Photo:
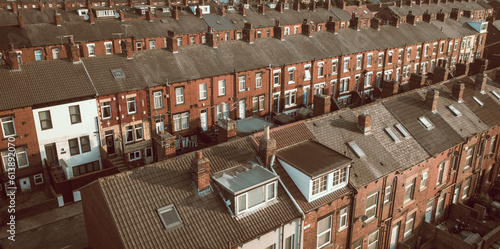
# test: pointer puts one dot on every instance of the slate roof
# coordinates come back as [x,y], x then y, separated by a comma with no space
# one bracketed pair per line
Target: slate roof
[43,82]
[133,198]
[287,135]
[408,108]
[433,8]
[336,130]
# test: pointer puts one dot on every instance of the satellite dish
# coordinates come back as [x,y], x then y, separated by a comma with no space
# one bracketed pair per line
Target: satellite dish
[363,218]
[86,17]
[117,15]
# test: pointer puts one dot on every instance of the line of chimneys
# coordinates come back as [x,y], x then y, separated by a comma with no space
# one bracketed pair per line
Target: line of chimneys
[410,3]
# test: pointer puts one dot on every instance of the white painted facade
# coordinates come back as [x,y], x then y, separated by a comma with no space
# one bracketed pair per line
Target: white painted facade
[277,237]
[63,130]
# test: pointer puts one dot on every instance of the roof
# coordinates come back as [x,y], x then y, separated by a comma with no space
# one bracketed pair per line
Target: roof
[433,8]
[43,82]
[287,135]
[133,198]
[218,23]
[408,108]
[250,125]
[360,11]
[313,158]
[243,177]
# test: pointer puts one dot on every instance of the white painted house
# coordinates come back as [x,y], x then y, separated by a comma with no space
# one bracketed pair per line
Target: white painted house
[69,132]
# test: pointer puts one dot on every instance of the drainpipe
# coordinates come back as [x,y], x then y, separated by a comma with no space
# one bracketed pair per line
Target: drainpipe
[270,94]
[486,137]
[351,227]
[293,200]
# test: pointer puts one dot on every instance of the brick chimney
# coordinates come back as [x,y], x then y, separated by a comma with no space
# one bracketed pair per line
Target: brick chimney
[322,104]
[411,19]
[199,12]
[480,81]
[227,129]
[267,147]
[426,17]
[399,3]
[454,14]
[280,6]
[57,18]
[110,3]
[20,20]
[150,2]
[200,171]
[331,25]
[91,17]
[41,6]
[431,99]
[395,21]
[65,5]
[328,4]
[13,62]
[128,50]
[409,3]
[165,145]
[375,23]
[248,33]
[313,6]
[365,123]
[211,38]
[122,16]
[307,28]
[175,13]
[14,7]
[355,23]
[461,69]
[279,31]
[149,15]
[262,9]
[223,10]
[243,10]
[358,3]
[131,3]
[418,2]
[342,5]
[441,16]
[458,91]
[416,81]
[389,88]
[440,72]
[172,42]
[74,51]
[296,5]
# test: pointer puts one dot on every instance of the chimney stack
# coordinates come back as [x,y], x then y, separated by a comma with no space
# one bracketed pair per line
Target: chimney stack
[307,28]
[296,5]
[280,7]
[342,5]
[458,91]
[122,16]
[57,18]
[149,15]
[211,38]
[172,42]
[481,79]
[200,172]
[13,62]
[175,13]
[313,6]
[454,14]
[267,147]
[223,10]
[440,72]
[426,17]
[441,16]
[128,50]
[328,4]
[248,33]
[355,23]
[42,6]
[199,12]
[416,81]
[227,129]
[322,104]
[411,19]
[375,23]
[91,17]
[20,19]
[14,6]
[389,88]
[461,69]
[331,25]
[65,5]
[431,99]
[279,32]
[395,21]
[243,10]
[262,9]
[365,123]
[399,3]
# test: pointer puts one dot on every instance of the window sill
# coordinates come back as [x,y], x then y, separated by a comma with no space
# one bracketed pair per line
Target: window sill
[179,104]
[223,95]
[159,108]
[342,228]
[291,82]
[408,203]
[11,136]
[106,118]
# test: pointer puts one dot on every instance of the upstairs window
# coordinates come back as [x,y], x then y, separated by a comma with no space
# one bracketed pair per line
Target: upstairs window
[109,49]
[346,64]
[131,105]
[45,120]
[8,127]
[319,185]
[334,66]
[21,158]
[91,50]
[258,80]
[203,91]
[74,113]
[358,61]
[468,158]
[106,110]
[343,218]
[256,196]
[440,174]
[410,221]
[181,121]
[371,205]
[179,95]
[242,83]
[222,87]
[158,99]
[276,78]
[369,60]
[426,123]
[307,72]
[38,55]
[409,190]
[324,231]
[320,69]
[291,75]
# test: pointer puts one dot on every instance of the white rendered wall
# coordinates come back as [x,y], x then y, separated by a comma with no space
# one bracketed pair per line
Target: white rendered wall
[275,237]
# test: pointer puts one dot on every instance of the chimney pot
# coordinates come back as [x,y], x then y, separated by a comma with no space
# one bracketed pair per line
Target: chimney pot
[199,154]
[266,132]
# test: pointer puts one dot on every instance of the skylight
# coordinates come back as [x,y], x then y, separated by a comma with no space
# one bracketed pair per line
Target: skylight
[354,146]
[392,135]
[169,216]
[477,100]
[403,131]
[426,123]
[496,94]
[455,110]
[118,74]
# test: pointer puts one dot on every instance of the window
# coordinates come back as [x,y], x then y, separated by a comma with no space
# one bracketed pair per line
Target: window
[455,110]
[319,185]
[287,31]
[344,85]
[227,35]
[131,105]
[21,158]
[74,113]
[203,91]
[465,194]
[91,50]
[106,110]
[400,55]
[158,99]
[139,135]
[479,102]
[450,44]
[320,69]
[242,83]
[290,98]
[343,218]
[152,44]
[85,144]
[334,66]
[441,48]
[468,158]
[346,64]
[387,195]
[371,205]
[136,155]
[434,48]
[38,179]
[492,144]
[440,174]
[409,190]
[222,87]
[181,121]
[55,53]
[440,205]
[426,123]
[339,177]
[423,181]
[73,147]
[369,60]
[307,72]
[290,242]
[256,196]
[426,50]
[179,95]
[192,39]
[393,135]
[410,221]
[238,36]
[380,59]
[179,42]
[222,111]
[455,47]
[373,240]
[296,29]
[324,231]
[276,77]
[45,120]
[8,127]
[390,57]
[258,80]
[319,88]
[262,102]
[169,216]
[358,61]
[291,75]
[258,103]
[38,55]
[368,79]
[408,53]
[129,134]
[355,147]
[109,49]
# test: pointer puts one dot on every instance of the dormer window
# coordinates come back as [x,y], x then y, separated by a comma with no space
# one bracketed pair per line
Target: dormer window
[319,185]
[255,197]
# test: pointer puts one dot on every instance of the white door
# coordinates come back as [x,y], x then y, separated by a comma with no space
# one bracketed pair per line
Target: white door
[203,119]
[25,184]
[159,126]
[394,236]
[242,109]
[149,155]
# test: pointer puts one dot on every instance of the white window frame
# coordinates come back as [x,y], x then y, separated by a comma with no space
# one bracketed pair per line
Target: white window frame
[380,59]
[320,186]
[307,72]
[346,64]
[291,95]
[4,121]
[440,174]
[291,72]
[267,198]
[106,105]
[409,191]
[91,45]
[203,91]
[132,100]
[38,53]
[321,69]
[390,54]
[408,53]
[423,181]
[152,44]
[440,205]
[369,60]
[410,219]
[374,206]
[328,230]
[343,218]
[110,44]
[242,83]
[344,85]
[222,87]
[258,80]
[373,244]
[181,121]
[387,194]
[179,95]
[158,99]
[359,58]
[466,190]
[335,66]
[276,75]
[38,177]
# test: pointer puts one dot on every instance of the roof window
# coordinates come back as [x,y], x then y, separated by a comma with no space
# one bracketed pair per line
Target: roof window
[426,123]
[393,135]
[455,110]
[169,217]
[354,146]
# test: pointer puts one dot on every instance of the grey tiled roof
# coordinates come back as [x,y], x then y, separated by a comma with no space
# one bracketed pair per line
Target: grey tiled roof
[133,198]
[434,8]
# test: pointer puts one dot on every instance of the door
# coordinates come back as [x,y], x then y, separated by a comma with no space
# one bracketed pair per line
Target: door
[51,153]
[242,109]
[25,184]
[149,155]
[455,193]
[394,236]
[110,142]
[428,211]
[204,120]
[276,102]
[160,126]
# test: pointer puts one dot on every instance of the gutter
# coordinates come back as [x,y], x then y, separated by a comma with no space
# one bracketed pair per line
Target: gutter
[294,203]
